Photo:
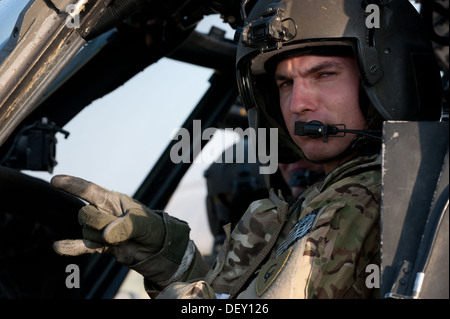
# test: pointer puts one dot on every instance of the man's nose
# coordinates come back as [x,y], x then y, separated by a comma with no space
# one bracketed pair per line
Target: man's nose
[303,97]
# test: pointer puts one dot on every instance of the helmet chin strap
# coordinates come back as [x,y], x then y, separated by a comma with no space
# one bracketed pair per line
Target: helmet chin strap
[317,129]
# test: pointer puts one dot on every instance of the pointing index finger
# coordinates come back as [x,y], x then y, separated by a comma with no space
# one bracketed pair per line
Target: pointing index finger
[90,192]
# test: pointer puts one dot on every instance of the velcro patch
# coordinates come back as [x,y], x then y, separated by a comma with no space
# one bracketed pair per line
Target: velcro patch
[300,229]
[270,271]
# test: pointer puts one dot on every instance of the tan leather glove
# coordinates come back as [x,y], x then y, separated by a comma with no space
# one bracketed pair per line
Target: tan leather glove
[148,241]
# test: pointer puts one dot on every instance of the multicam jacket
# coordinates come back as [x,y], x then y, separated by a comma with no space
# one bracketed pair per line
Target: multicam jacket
[317,247]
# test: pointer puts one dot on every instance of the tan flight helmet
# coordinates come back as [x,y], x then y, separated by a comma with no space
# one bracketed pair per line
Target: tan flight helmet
[400,77]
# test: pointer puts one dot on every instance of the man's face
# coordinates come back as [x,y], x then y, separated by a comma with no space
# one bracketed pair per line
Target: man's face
[320,88]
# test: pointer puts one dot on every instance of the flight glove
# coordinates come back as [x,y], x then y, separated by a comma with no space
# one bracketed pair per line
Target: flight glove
[148,241]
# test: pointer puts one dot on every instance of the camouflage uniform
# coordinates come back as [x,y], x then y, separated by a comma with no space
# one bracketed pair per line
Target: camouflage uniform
[318,247]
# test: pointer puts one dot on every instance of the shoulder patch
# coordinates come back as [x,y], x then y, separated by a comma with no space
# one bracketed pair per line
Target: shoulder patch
[270,271]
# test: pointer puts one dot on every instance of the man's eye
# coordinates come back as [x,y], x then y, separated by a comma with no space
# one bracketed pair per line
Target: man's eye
[285,84]
[325,74]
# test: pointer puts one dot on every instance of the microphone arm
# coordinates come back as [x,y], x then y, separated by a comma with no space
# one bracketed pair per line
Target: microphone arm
[316,129]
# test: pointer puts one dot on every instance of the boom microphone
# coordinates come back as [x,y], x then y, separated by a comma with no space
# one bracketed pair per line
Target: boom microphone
[317,129]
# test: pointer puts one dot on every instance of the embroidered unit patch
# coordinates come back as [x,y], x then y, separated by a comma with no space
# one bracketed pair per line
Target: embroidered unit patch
[269,272]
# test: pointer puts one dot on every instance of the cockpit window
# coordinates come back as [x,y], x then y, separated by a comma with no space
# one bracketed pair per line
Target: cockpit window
[9,12]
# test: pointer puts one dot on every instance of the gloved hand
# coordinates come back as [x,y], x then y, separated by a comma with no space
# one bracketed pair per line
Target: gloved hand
[148,241]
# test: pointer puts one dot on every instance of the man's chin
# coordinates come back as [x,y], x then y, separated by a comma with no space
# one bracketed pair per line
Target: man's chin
[319,157]
[313,149]
[317,151]
[316,161]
